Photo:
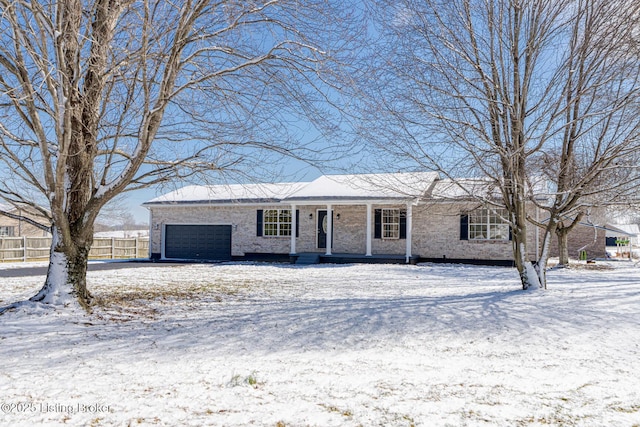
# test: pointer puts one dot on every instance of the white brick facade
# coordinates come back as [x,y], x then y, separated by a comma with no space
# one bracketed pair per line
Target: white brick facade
[431,228]
[435,231]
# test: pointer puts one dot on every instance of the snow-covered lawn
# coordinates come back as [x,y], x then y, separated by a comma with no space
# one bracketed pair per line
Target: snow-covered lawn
[373,345]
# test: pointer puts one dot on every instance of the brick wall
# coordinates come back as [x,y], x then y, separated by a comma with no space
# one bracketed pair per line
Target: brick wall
[436,231]
[589,238]
[437,235]
[242,218]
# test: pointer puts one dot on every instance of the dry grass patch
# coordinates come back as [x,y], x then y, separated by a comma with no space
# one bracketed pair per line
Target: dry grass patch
[583,266]
[147,302]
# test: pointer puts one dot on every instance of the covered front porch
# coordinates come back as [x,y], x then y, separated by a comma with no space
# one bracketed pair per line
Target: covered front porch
[309,258]
[354,231]
[357,218]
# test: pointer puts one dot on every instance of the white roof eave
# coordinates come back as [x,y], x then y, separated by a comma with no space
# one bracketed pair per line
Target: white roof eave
[192,203]
[348,201]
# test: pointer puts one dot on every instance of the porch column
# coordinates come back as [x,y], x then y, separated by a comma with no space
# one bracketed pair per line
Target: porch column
[369,208]
[329,228]
[409,230]
[294,226]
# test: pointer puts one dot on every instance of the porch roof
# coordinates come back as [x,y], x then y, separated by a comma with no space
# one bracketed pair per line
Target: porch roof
[366,188]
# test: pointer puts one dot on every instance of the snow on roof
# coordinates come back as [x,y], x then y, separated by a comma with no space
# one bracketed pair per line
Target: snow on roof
[9,207]
[228,193]
[366,186]
[624,229]
[465,188]
[24,207]
[461,188]
[327,187]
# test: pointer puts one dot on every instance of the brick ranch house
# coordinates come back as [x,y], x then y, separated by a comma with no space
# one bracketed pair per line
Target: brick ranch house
[402,217]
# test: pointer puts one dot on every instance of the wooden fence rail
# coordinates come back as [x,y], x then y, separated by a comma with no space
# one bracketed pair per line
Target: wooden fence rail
[14,249]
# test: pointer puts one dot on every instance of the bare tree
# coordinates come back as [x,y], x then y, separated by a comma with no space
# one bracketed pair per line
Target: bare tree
[592,151]
[480,88]
[103,96]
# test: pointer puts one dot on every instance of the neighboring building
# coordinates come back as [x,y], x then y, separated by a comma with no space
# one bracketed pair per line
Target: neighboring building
[616,232]
[18,227]
[404,217]
[623,240]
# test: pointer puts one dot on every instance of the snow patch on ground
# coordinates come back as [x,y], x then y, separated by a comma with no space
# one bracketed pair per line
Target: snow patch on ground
[260,344]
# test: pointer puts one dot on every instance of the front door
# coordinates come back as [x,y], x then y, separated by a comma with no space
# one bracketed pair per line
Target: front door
[322,229]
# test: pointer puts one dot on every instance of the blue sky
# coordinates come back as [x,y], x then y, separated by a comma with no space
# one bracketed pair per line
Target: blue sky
[293,171]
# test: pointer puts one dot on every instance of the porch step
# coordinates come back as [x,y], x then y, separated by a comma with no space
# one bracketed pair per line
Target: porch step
[308,259]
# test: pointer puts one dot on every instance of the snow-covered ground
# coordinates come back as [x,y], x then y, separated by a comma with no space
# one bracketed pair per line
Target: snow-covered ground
[375,345]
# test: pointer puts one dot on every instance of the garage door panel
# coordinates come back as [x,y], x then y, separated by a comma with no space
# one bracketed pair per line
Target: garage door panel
[199,242]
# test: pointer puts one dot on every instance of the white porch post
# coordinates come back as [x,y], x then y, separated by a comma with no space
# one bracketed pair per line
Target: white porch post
[294,226]
[409,229]
[537,234]
[329,229]
[369,208]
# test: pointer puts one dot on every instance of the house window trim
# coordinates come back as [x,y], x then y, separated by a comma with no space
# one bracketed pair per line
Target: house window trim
[7,231]
[377,224]
[280,224]
[488,214]
[393,225]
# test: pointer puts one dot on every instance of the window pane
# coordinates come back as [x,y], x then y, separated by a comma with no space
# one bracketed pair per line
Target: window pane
[487,224]
[499,232]
[277,222]
[477,231]
[271,215]
[285,216]
[285,229]
[391,223]
[271,229]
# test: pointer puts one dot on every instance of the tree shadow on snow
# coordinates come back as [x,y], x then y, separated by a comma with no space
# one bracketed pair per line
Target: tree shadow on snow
[296,324]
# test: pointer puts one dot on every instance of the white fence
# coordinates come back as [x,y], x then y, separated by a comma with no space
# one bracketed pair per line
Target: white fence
[14,249]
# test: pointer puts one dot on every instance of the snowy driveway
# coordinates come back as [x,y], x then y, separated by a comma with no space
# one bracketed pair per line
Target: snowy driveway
[261,344]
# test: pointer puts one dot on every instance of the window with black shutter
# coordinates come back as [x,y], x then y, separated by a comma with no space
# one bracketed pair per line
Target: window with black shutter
[390,223]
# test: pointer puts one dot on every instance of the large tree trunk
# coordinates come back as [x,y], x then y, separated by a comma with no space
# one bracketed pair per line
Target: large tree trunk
[541,266]
[66,280]
[528,275]
[563,245]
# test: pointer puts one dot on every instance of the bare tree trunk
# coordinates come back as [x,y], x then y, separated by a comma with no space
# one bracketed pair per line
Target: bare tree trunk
[528,275]
[563,245]
[541,265]
[66,280]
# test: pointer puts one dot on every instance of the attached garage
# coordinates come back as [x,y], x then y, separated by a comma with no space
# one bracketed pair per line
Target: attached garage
[198,242]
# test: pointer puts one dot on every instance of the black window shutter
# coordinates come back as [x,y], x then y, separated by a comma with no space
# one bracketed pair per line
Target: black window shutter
[464,227]
[377,224]
[403,223]
[259,222]
[510,233]
[297,222]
